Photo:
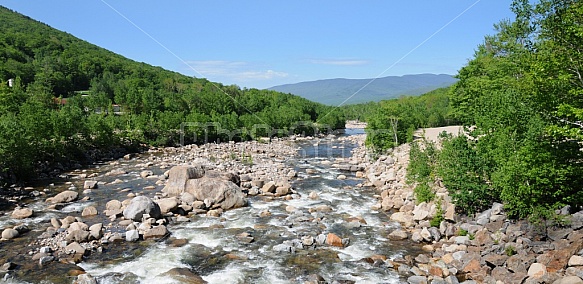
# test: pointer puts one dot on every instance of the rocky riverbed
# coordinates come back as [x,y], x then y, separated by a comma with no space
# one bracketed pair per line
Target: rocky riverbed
[300,210]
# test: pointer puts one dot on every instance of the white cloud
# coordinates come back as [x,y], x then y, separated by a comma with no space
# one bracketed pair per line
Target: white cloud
[234,70]
[342,62]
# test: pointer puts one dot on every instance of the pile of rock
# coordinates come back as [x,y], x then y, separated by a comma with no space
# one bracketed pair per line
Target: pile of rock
[488,248]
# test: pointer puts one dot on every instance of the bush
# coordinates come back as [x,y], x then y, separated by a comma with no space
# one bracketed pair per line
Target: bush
[423,193]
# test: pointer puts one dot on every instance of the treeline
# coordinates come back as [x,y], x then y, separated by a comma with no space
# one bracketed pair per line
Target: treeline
[521,100]
[393,122]
[45,120]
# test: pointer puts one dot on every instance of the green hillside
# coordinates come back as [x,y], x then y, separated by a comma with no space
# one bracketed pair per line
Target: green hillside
[38,131]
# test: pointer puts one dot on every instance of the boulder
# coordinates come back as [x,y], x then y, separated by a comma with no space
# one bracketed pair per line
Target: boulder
[132,235]
[89,211]
[95,231]
[90,184]
[225,193]
[269,187]
[183,275]
[576,260]
[146,173]
[142,205]
[22,213]
[156,232]
[10,233]
[75,248]
[113,205]
[78,236]
[168,204]
[334,240]
[569,280]
[537,270]
[64,197]
[178,176]
[398,235]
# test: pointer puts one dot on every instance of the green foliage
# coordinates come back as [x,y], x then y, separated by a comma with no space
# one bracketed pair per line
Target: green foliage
[423,193]
[393,122]
[439,214]
[510,250]
[522,95]
[463,173]
[158,107]
[462,232]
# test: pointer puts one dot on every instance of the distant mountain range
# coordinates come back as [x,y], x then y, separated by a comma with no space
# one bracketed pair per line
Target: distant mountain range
[336,91]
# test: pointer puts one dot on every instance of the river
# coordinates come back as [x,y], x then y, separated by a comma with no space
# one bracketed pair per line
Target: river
[262,243]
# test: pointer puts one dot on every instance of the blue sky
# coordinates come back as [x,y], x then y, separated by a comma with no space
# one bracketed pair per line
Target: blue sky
[259,44]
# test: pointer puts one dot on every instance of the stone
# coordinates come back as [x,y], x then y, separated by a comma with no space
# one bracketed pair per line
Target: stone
[495,259]
[269,187]
[225,193]
[179,176]
[537,270]
[64,197]
[168,204]
[22,213]
[113,205]
[156,232]
[95,231]
[576,260]
[146,173]
[44,260]
[450,213]
[78,236]
[75,248]
[341,177]
[403,218]
[398,235]
[473,266]
[333,240]
[426,235]
[9,234]
[569,280]
[142,205]
[282,190]
[183,275]
[90,184]
[78,226]
[132,235]
[89,211]
[417,280]
[518,263]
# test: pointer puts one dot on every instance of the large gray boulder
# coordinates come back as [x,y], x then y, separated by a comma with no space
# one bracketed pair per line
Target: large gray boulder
[142,205]
[219,191]
[179,176]
[216,188]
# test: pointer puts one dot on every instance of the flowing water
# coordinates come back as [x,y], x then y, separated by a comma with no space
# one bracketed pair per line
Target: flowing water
[213,250]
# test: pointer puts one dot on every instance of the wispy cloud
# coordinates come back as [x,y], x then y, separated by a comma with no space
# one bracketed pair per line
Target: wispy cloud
[235,70]
[341,62]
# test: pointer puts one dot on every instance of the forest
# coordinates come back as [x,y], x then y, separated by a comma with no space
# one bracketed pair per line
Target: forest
[62,98]
[521,100]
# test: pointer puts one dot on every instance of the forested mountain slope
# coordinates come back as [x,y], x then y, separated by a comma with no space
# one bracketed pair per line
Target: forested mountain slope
[337,91]
[44,63]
